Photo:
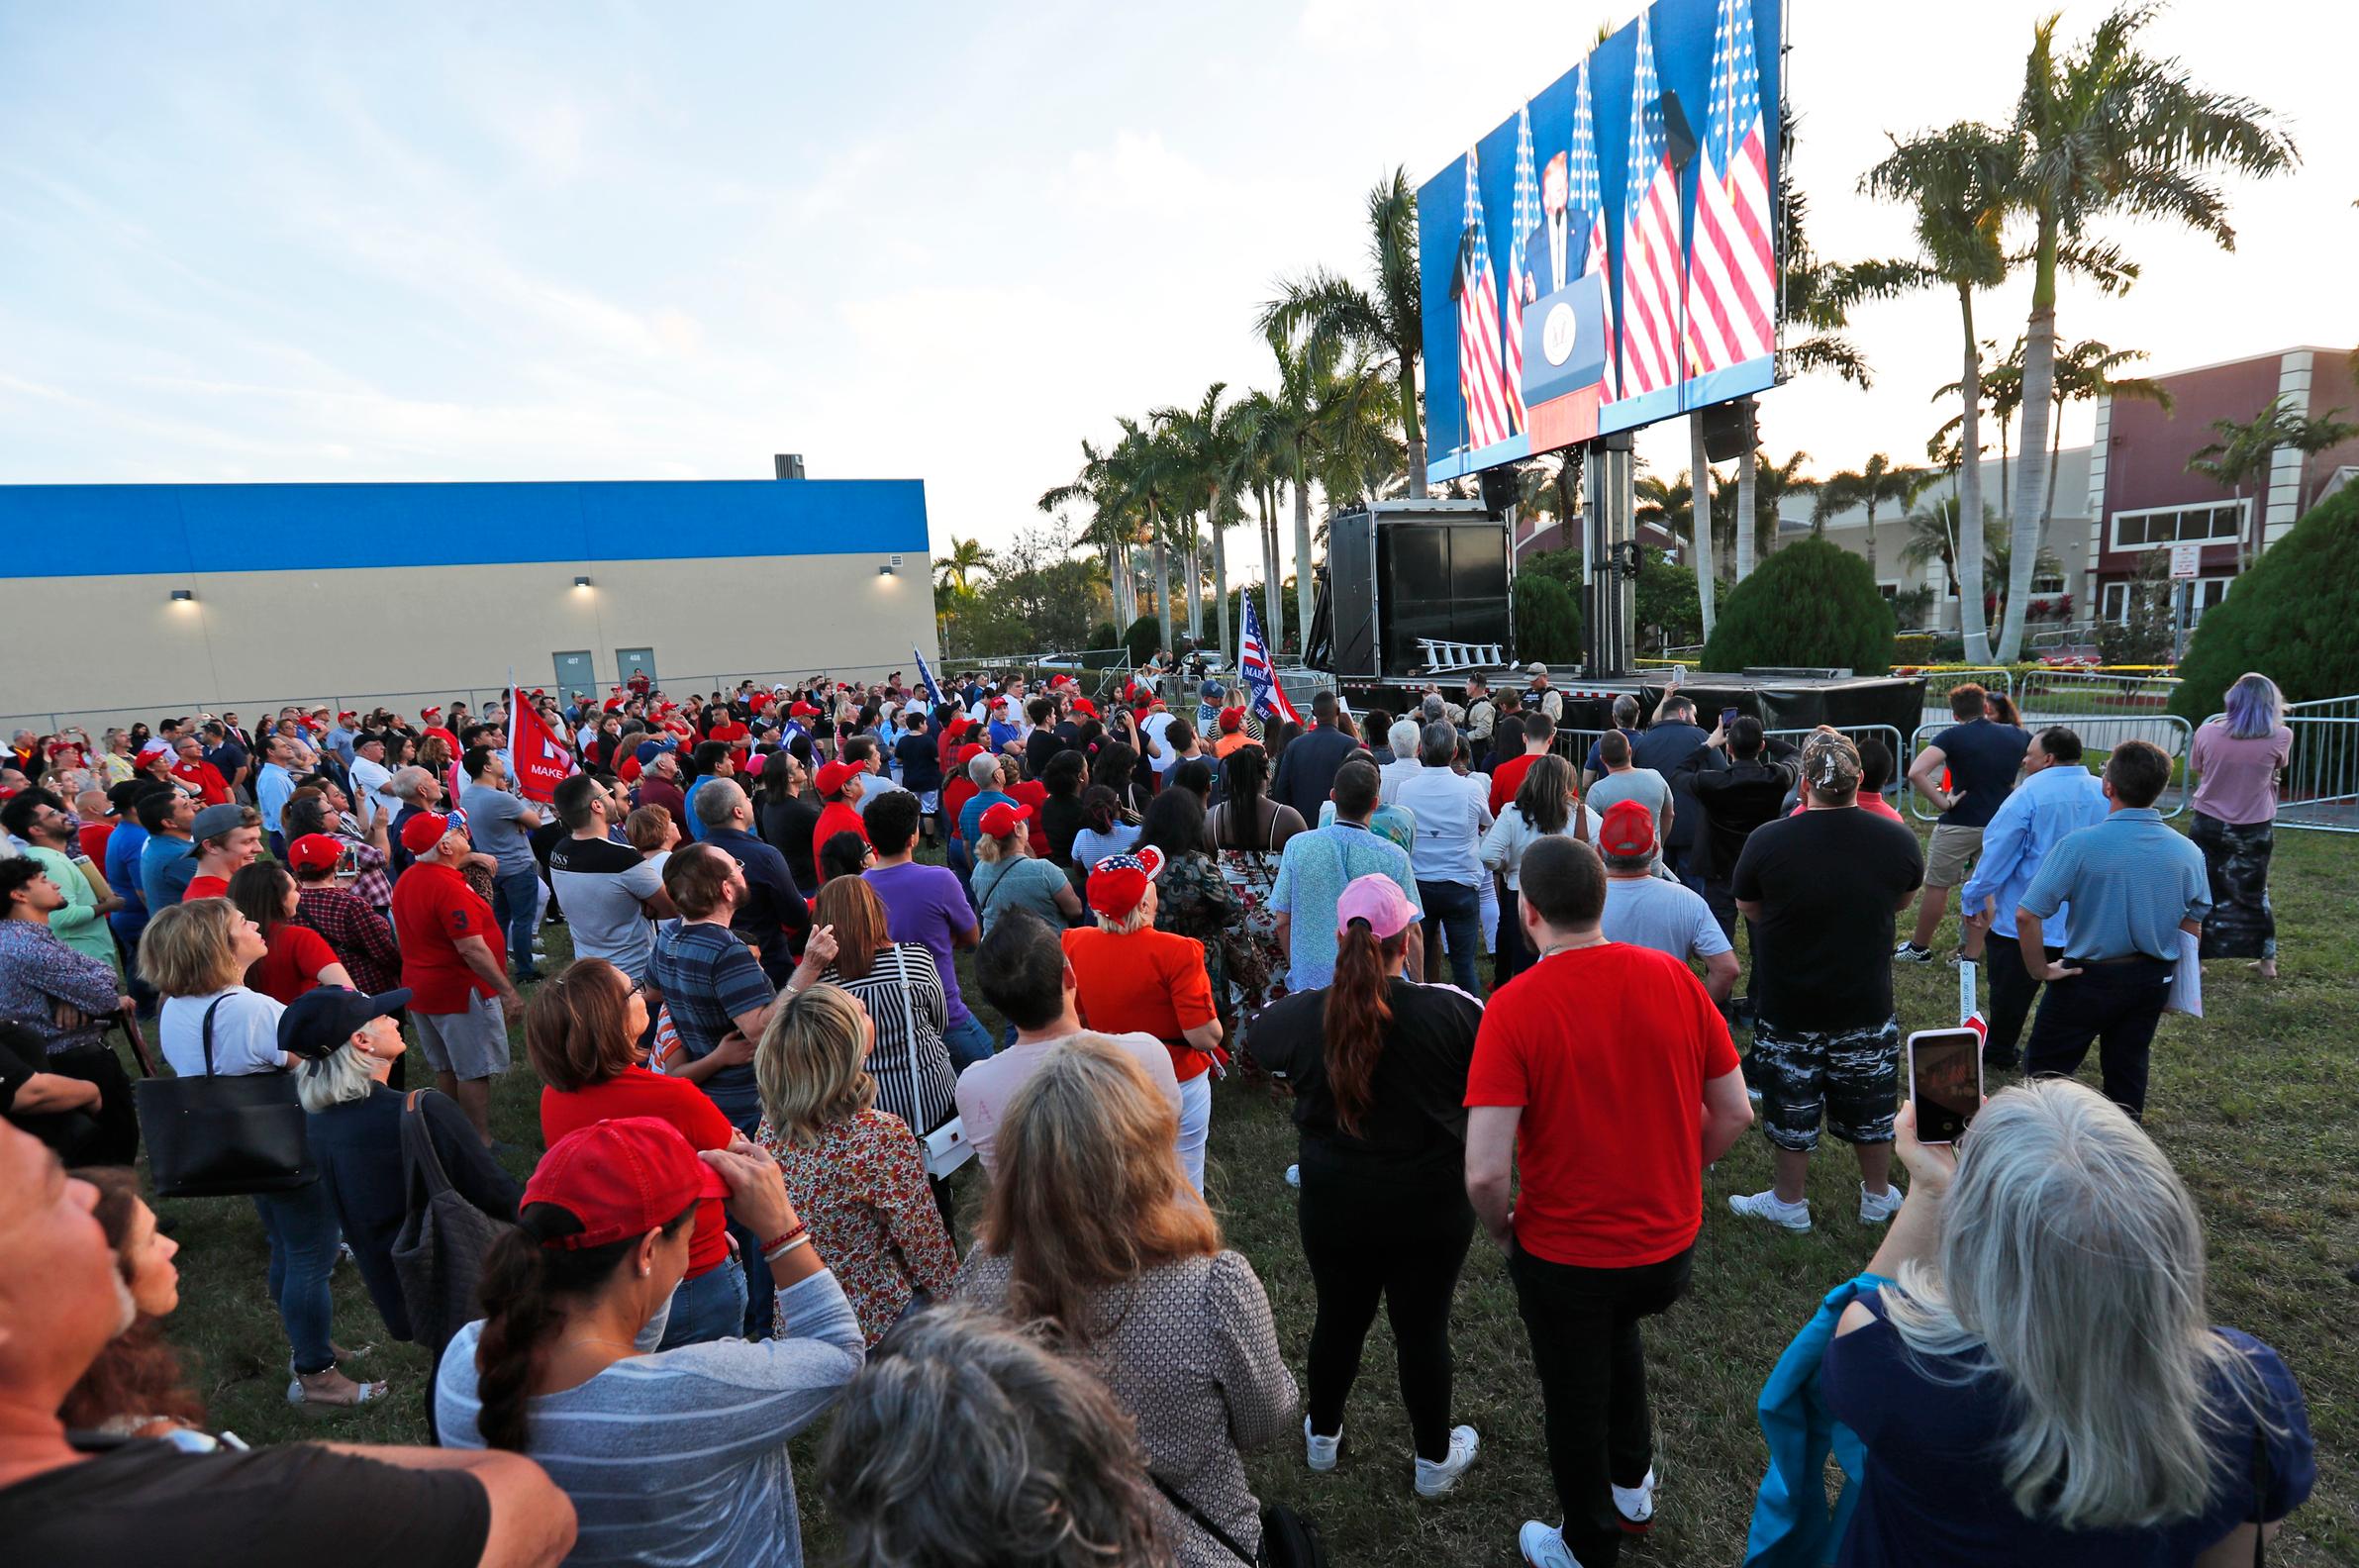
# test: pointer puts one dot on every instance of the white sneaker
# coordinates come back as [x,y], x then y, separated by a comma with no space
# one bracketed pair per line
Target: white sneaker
[1874,1209]
[1543,1546]
[1909,952]
[1794,1217]
[1319,1452]
[1294,1176]
[1636,1504]
[1435,1477]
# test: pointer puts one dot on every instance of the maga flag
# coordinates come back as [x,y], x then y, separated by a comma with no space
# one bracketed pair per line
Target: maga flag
[1260,676]
[542,759]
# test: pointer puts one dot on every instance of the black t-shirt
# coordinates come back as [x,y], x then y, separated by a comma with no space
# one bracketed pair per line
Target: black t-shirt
[1829,884]
[1983,759]
[921,762]
[1038,748]
[144,1501]
[787,823]
[1060,819]
[1417,1112]
[1735,801]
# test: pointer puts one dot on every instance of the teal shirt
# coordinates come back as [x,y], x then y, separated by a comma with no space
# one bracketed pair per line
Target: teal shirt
[2131,880]
[79,924]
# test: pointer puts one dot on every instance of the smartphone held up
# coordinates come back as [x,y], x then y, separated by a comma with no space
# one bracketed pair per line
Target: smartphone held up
[1944,1081]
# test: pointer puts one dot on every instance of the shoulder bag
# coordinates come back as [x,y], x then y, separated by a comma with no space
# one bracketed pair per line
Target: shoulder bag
[1288,1540]
[211,1137]
[947,1147]
[438,1251]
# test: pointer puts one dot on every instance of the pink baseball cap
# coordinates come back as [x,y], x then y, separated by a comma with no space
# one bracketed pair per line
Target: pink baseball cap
[1378,900]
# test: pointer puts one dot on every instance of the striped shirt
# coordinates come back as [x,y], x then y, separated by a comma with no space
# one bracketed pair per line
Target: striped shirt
[902,988]
[679,1456]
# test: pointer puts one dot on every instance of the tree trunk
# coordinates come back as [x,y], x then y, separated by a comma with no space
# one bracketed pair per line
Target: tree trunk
[1747,503]
[1163,588]
[1699,519]
[1220,576]
[1273,598]
[1871,549]
[1971,622]
[1414,429]
[1304,587]
[2047,509]
[1192,564]
[2031,485]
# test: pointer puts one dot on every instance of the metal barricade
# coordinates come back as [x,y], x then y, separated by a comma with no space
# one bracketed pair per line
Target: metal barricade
[2052,696]
[1886,735]
[2321,782]
[2099,735]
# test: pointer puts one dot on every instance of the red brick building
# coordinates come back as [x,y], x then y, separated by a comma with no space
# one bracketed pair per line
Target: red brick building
[2142,497]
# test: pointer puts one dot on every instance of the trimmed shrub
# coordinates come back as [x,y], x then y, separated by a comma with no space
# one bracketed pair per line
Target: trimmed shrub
[1547,620]
[2293,617]
[1811,603]
[1143,639]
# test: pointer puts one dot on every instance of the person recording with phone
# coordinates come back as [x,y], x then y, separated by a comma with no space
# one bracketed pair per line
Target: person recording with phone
[2035,1381]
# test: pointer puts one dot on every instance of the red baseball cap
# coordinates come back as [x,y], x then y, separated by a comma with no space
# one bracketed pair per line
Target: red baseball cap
[1232,720]
[347,713]
[1084,706]
[1000,819]
[1627,831]
[430,713]
[425,831]
[621,1178]
[1117,882]
[966,753]
[833,776]
[318,851]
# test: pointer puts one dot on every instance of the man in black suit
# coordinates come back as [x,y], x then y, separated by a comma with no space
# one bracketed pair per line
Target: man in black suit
[1307,767]
[1548,259]
[1670,746]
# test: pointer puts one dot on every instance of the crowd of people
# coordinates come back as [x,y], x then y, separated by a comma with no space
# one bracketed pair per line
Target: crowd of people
[762,1074]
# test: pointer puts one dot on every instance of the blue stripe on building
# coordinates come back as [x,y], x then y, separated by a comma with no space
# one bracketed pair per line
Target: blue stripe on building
[93,531]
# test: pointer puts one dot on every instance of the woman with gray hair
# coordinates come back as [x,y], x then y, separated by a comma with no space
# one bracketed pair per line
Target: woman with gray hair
[2041,1384]
[964,1441]
[347,1043]
[2236,758]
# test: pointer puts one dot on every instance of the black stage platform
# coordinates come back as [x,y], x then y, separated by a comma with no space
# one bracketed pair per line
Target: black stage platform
[1778,701]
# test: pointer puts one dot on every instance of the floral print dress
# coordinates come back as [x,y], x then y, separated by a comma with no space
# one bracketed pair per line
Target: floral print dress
[861,1189]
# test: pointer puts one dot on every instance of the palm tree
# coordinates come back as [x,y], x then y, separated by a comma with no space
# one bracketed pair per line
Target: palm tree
[1956,183]
[1933,536]
[1772,484]
[1207,441]
[1359,458]
[1871,487]
[1329,314]
[1669,506]
[1140,470]
[2085,372]
[1113,527]
[2247,447]
[2106,130]
[967,560]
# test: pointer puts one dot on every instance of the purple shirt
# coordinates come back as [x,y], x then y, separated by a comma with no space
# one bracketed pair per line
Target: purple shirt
[2236,780]
[926,905]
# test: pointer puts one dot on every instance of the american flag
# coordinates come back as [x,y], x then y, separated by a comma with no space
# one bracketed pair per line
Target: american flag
[1732,278]
[1651,258]
[1259,675]
[1587,199]
[1481,383]
[1519,283]
[934,689]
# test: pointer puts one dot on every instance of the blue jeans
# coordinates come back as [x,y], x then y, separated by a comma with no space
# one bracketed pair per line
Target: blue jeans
[969,1042]
[514,901]
[710,1306]
[1455,910]
[303,1231]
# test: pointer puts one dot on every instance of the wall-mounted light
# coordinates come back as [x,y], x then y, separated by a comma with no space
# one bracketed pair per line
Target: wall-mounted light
[183,595]
[884,571]
[581,582]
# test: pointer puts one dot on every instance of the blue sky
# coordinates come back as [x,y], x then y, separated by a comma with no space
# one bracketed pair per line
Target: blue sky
[321,243]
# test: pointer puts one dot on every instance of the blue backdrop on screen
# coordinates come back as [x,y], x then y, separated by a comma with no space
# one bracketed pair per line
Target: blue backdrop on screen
[1575,281]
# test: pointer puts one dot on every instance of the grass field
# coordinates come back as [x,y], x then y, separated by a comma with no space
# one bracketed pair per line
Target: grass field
[2253,1103]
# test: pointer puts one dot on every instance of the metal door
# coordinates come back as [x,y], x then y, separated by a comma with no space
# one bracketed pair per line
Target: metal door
[576,672]
[635,661]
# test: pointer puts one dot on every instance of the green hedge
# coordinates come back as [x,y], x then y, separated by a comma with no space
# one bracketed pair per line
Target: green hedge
[1811,603]
[2293,617]
[1547,620]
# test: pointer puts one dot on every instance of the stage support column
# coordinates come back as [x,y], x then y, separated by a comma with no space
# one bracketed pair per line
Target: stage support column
[1608,534]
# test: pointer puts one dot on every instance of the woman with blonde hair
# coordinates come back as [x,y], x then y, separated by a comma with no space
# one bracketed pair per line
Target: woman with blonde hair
[2041,1384]
[856,1174]
[2236,759]
[196,954]
[1090,1232]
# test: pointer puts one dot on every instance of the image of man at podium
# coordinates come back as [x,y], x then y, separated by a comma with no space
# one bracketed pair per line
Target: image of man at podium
[1548,263]
[1564,324]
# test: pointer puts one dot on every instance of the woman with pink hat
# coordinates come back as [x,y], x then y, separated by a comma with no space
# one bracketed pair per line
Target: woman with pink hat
[1379,1064]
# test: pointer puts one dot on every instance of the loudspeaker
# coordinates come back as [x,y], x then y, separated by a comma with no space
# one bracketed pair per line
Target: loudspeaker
[1729,431]
[1678,135]
[1499,489]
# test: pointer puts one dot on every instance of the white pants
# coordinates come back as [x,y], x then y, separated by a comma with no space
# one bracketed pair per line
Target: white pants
[1195,1125]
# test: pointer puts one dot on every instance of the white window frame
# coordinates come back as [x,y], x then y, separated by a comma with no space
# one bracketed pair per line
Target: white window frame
[2242,508]
[2113,596]
[2048,583]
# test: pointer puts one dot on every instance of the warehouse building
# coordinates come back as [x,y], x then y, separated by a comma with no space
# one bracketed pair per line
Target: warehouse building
[133,601]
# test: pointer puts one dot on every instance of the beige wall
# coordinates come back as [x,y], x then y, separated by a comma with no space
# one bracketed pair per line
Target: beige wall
[100,650]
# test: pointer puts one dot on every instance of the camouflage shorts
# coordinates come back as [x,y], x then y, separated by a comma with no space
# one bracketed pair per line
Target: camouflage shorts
[1848,1078]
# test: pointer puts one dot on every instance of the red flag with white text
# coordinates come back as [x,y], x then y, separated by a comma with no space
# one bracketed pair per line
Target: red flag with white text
[541,757]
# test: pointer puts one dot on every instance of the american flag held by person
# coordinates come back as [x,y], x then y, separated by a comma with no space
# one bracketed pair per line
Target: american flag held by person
[1259,675]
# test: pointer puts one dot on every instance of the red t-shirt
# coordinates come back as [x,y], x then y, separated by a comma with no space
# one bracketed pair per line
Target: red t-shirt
[735,736]
[1606,1050]
[636,1092]
[206,778]
[93,837]
[449,739]
[1507,778]
[1150,982]
[839,817]
[1868,801]
[432,907]
[292,965]
[955,795]
[200,887]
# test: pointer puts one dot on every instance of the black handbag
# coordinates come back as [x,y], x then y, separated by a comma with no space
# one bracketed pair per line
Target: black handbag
[216,1138]
[438,1251]
[1288,1540]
